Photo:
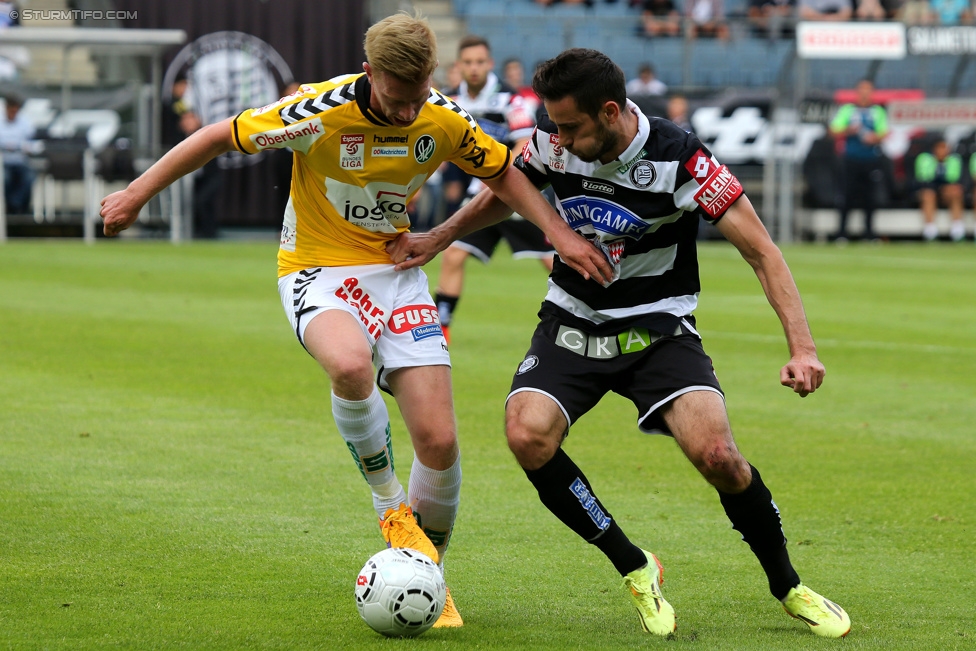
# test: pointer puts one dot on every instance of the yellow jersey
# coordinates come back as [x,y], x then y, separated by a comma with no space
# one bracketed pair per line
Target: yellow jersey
[354,173]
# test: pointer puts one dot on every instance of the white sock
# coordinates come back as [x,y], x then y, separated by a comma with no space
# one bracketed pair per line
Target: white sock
[434,497]
[365,427]
[957,231]
[930,231]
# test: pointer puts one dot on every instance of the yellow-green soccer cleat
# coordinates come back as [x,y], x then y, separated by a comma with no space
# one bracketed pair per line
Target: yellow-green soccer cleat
[400,529]
[823,616]
[656,614]
[450,617]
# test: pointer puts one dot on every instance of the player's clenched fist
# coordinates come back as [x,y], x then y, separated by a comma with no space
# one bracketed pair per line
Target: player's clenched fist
[119,211]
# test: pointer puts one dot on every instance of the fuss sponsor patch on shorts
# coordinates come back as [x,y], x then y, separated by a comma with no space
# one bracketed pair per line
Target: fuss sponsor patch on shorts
[422,321]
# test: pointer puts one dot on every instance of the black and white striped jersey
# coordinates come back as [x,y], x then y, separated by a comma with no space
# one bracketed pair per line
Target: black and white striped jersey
[500,111]
[643,209]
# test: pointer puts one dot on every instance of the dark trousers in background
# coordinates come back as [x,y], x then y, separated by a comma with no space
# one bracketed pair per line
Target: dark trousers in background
[17,182]
[206,187]
[861,182]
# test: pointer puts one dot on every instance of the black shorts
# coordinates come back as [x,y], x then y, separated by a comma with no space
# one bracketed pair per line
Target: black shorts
[524,238]
[576,370]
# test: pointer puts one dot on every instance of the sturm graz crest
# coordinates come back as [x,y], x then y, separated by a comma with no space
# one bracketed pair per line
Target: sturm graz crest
[423,149]
[642,174]
[226,73]
[527,364]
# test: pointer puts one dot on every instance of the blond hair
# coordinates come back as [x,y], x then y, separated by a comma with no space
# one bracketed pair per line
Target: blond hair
[403,46]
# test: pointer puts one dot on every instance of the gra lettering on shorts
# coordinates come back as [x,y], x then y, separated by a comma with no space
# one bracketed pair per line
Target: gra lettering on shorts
[421,320]
[369,313]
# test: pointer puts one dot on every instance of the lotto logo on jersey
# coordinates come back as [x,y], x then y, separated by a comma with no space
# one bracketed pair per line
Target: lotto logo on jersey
[602,215]
[421,320]
[299,136]
[352,151]
[526,152]
[718,191]
[370,313]
[701,166]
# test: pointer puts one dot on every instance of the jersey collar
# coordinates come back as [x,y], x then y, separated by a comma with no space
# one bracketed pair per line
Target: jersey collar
[363,91]
[634,151]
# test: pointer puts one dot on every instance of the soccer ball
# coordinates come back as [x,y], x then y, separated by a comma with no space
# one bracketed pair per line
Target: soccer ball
[400,592]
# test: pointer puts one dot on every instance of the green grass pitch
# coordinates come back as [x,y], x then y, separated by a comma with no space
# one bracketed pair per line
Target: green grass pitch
[171,478]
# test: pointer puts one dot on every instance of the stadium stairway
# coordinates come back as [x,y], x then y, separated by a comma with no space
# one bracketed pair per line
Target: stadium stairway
[46,62]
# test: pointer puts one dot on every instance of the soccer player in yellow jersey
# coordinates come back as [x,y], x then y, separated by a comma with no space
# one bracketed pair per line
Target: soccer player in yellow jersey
[363,145]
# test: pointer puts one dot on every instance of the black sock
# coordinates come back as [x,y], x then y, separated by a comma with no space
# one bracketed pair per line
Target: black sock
[754,514]
[567,493]
[445,307]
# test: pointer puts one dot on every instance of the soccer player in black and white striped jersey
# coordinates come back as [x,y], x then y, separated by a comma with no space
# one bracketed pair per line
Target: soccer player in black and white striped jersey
[637,188]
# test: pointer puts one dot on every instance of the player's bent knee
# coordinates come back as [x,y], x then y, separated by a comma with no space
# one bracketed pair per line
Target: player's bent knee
[531,440]
[723,466]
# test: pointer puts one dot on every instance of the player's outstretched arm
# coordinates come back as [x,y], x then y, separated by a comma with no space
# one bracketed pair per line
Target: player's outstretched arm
[120,209]
[490,206]
[414,249]
[515,189]
[742,227]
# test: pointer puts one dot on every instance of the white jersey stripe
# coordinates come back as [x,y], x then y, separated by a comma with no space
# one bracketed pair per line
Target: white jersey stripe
[652,263]
[676,305]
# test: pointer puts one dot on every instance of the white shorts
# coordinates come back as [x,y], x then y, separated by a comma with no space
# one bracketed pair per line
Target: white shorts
[394,309]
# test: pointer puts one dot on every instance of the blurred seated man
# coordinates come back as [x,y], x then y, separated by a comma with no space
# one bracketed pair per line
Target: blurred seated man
[16,132]
[660,18]
[837,10]
[646,82]
[939,177]
[706,19]
[772,17]
[952,12]
[915,12]
[678,112]
[869,10]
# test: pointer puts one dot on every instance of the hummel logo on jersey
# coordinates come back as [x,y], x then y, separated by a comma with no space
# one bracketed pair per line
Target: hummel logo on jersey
[314,105]
[593,186]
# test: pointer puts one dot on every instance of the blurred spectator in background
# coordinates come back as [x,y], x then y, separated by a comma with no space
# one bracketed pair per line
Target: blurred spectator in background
[772,18]
[869,10]
[513,73]
[452,76]
[660,18]
[678,112]
[826,10]
[952,12]
[16,132]
[938,174]
[12,57]
[281,161]
[503,115]
[565,2]
[646,82]
[706,18]
[916,12]
[179,121]
[860,127]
